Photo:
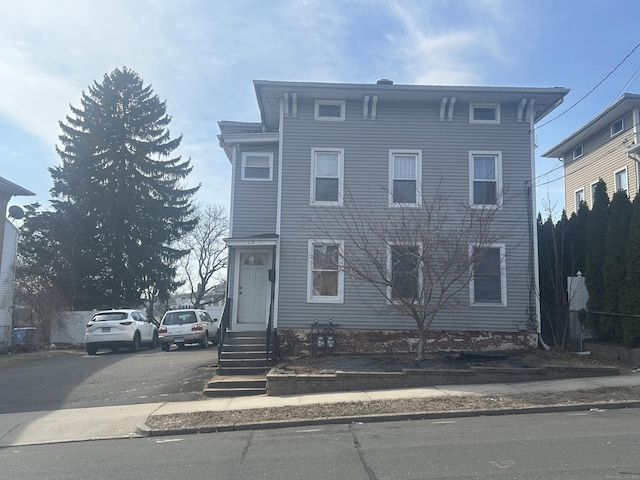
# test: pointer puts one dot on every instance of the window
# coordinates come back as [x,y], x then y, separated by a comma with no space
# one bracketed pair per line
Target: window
[331,110]
[326,176]
[484,113]
[617,127]
[488,285]
[325,282]
[405,177]
[579,198]
[593,192]
[621,180]
[486,178]
[577,151]
[403,264]
[257,166]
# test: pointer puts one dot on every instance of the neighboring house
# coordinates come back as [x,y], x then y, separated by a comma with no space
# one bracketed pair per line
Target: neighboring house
[607,148]
[8,249]
[316,141]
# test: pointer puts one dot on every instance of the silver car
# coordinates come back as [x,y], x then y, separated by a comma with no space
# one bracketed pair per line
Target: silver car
[117,328]
[187,326]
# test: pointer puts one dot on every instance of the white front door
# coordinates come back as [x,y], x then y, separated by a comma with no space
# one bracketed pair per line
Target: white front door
[253,291]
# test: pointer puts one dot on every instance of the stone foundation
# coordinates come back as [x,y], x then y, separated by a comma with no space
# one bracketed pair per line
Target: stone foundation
[367,342]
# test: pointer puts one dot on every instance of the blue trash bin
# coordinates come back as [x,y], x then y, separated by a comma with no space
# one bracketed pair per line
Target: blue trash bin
[24,337]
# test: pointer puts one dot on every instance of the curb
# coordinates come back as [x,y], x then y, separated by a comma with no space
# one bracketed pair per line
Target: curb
[144,430]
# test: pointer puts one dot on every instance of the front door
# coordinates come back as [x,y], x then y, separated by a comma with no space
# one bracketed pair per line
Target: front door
[253,291]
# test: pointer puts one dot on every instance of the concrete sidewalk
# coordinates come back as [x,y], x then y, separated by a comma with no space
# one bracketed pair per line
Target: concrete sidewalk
[128,421]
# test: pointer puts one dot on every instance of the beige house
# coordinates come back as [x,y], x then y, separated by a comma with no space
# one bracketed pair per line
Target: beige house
[607,147]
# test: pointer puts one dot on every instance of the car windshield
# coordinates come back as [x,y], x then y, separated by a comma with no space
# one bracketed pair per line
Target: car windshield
[177,318]
[104,317]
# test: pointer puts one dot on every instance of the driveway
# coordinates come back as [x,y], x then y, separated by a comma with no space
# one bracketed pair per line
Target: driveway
[74,379]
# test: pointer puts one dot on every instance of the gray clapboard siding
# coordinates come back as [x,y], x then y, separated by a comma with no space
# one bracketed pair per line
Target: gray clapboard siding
[445,151]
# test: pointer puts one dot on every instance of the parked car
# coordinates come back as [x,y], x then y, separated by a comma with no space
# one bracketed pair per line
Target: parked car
[187,326]
[120,328]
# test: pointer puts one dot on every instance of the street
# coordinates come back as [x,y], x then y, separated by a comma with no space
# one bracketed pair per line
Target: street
[75,379]
[585,445]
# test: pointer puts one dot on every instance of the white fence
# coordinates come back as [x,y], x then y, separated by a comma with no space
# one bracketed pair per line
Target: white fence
[70,329]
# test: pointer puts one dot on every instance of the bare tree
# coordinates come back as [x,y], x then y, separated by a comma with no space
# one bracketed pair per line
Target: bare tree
[207,257]
[420,259]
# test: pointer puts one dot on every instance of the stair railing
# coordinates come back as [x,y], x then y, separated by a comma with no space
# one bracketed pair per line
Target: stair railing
[222,328]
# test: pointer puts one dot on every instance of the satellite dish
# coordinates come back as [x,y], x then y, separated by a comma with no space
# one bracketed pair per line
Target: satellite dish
[16,212]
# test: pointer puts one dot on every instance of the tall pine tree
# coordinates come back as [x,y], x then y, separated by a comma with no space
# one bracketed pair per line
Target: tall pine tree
[119,189]
[630,302]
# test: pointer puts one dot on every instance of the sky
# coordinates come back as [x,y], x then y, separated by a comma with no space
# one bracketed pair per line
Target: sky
[201,57]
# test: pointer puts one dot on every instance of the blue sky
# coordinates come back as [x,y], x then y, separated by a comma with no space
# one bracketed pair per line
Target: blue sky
[202,55]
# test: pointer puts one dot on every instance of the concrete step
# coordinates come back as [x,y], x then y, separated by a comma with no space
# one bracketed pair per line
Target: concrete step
[243,362]
[225,383]
[247,370]
[233,392]
[253,355]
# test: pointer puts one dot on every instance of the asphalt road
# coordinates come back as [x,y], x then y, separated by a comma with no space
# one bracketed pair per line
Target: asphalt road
[73,380]
[582,445]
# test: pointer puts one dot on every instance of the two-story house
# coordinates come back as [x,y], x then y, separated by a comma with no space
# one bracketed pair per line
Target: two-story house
[321,149]
[607,148]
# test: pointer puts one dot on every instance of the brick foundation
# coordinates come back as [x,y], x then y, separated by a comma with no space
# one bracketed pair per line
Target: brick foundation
[363,342]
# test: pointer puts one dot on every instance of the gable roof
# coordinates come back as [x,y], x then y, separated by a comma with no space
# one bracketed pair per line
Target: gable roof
[269,93]
[617,109]
[12,190]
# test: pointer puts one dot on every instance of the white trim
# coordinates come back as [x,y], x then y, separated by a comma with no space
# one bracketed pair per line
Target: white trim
[310,257]
[257,154]
[495,106]
[498,166]
[626,177]
[267,137]
[503,278]
[534,227]
[234,172]
[615,134]
[573,152]
[251,242]
[340,152]
[340,103]
[418,159]
[575,198]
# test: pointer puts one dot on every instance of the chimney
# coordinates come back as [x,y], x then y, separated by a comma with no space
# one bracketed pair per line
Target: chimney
[384,81]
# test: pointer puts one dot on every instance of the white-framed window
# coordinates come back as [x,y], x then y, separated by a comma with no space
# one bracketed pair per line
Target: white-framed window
[325,276]
[327,174]
[621,180]
[485,174]
[489,276]
[579,197]
[617,127]
[577,151]
[257,166]
[404,269]
[405,177]
[330,110]
[484,113]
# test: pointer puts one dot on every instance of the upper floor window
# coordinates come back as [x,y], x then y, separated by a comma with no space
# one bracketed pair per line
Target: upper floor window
[329,110]
[579,198]
[325,282]
[257,166]
[577,151]
[486,178]
[621,180]
[488,284]
[484,113]
[327,171]
[403,265]
[617,127]
[405,177]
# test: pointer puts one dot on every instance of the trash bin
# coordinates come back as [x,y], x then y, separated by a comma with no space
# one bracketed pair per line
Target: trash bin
[24,338]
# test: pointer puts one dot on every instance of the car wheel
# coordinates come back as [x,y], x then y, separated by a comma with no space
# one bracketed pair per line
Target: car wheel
[165,346]
[205,342]
[180,346]
[91,349]
[154,343]
[135,345]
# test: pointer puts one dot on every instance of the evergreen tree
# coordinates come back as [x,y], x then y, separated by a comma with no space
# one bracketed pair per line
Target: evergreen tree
[615,269]
[630,302]
[595,253]
[119,191]
[578,225]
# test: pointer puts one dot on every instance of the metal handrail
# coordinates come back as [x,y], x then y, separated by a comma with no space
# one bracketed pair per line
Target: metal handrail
[222,328]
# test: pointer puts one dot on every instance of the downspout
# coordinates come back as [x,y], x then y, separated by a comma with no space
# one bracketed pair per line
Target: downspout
[534,229]
[278,217]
